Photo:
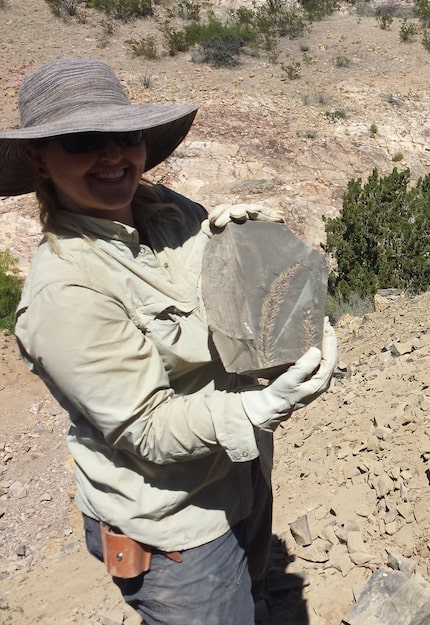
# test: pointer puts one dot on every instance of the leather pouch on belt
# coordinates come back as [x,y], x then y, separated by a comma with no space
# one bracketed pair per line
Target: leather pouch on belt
[123,556]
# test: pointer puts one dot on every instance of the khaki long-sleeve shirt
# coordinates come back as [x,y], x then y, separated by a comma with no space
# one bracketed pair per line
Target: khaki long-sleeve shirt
[117,331]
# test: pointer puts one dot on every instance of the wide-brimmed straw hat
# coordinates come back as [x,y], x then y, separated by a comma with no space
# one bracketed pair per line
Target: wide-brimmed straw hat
[80,95]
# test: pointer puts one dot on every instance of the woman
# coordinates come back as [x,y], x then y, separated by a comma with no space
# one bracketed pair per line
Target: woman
[166,444]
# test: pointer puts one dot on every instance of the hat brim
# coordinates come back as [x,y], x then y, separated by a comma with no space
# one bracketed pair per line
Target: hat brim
[164,127]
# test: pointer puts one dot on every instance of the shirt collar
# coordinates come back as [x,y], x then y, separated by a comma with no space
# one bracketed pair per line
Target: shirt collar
[103,228]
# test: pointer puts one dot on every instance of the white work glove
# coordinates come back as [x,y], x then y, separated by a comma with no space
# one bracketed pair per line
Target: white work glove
[267,406]
[223,213]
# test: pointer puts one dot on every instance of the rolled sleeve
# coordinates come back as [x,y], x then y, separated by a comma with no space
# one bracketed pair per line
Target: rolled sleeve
[234,432]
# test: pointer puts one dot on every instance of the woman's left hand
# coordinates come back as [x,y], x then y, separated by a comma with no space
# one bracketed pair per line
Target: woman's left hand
[223,213]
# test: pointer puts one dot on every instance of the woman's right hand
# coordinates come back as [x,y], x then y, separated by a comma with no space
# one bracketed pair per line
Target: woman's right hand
[310,376]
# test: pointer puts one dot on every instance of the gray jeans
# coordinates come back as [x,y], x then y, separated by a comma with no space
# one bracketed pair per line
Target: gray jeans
[212,585]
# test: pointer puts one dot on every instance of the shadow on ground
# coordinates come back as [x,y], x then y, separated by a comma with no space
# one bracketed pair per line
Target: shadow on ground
[284,590]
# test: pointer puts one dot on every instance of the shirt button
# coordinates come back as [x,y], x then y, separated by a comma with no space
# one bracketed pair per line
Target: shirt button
[245,454]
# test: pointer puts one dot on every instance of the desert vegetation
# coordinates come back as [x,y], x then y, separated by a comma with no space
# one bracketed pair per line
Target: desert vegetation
[192,24]
[10,290]
[381,239]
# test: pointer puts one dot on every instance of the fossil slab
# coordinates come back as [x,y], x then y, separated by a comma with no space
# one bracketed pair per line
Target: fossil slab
[264,292]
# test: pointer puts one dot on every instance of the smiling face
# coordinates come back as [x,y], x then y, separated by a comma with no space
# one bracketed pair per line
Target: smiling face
[98,183]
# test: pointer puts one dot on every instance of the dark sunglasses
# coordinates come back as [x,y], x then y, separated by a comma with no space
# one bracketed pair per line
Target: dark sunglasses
[85,142]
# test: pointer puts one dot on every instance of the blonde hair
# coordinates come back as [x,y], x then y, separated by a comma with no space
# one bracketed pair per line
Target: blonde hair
[148,202]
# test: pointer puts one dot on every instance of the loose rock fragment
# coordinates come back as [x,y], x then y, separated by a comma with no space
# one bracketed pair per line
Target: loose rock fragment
[313,553]
[365,509]
[360,557]
[397,562]
[340,560]
[355,542]
[389,598]
[421,511]
[301,531]
[382,484]
[328,533]
[21,550]
[114,617]
[391,528]
[18,490]
[405,510]
[383,433]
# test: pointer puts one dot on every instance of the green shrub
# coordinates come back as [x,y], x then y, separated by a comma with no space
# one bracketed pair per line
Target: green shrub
[244,16]
[272,19]
[407,31]
[279,17]
[381,238]
[198,32]
[422,11]
[122,9]
[62,8]
[426,40]
[10,290]
[222,51]
[219,43]
[355,305]
[145,46]
[175,40]
[107,31]
[343,61]
[189,10]
[336,114]
[316,10]
[384,20]
[292,70]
